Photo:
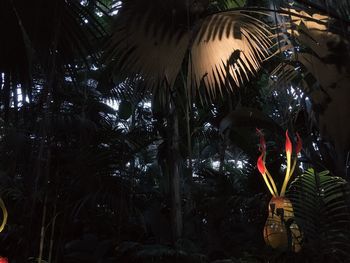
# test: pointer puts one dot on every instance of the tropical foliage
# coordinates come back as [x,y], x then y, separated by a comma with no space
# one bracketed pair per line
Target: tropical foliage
[322,210]
[128,128]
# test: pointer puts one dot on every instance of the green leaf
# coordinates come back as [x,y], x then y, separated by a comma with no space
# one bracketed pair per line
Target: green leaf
[322,212]
[235,3]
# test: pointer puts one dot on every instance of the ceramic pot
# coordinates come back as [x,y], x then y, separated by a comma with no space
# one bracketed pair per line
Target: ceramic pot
[280,231]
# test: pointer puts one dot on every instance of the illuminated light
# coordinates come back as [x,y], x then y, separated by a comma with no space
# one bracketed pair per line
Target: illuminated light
[261,165]
[278,234]
[275,230]
[3,260]
[288,144]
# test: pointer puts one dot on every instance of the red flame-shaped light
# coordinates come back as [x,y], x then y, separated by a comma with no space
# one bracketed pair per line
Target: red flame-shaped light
[260,164]
[288,144]
[3,260]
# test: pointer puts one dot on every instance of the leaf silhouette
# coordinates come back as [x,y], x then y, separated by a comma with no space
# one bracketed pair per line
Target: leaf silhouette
[153,41]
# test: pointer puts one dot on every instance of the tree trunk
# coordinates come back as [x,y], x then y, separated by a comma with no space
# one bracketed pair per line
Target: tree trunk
[174,164]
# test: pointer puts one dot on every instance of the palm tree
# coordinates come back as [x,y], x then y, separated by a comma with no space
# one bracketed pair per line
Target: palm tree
[154,39]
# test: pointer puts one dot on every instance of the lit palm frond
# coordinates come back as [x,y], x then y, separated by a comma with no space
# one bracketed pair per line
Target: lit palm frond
[309,31]
[153,40]
[228,45]
[335,8]
[313,32]
[323,53]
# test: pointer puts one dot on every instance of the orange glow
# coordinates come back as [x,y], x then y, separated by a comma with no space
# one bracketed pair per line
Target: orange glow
[290,167]
[276,230]
[288,144]
[280,208]
[261,165]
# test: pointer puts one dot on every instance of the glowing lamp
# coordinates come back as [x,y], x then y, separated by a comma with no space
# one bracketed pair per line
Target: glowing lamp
[280,231]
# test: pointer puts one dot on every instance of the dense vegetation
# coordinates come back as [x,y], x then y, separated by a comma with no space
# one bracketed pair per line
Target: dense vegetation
[114,147]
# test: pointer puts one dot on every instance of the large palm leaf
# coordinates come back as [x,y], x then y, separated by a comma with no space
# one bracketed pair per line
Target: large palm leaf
[321,204]
[154,38]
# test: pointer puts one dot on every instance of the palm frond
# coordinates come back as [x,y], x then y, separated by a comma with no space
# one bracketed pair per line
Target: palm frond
[322,210]
[225,48]
[147,43]
[228,48]
[321,49]
[337,9]
[227,4]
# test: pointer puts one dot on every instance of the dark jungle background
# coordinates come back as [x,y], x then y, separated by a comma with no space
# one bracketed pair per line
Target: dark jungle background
[103,159]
